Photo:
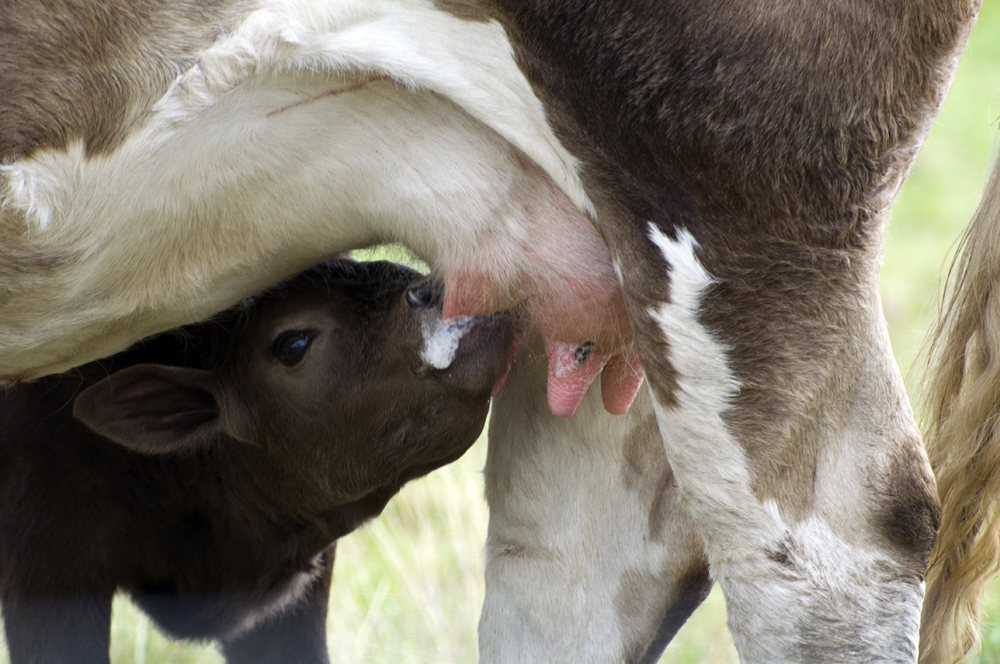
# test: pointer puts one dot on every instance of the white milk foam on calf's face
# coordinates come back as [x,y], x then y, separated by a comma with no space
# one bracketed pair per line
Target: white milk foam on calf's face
[441,340]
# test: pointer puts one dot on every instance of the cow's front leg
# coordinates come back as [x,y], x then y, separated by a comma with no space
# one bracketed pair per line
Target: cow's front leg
[589,558]
[794,450]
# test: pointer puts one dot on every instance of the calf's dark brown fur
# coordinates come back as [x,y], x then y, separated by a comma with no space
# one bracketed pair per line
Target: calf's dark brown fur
[221,465]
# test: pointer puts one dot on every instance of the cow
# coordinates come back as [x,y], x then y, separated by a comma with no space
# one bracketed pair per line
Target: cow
[690,192]
[209,472]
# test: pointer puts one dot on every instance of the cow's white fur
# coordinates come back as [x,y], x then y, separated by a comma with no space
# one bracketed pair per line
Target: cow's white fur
[469,63]
[829,600]
[565,533]
[313,128]
[834,602]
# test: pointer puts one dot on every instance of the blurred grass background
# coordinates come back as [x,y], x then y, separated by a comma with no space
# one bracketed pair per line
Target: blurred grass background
[408,587]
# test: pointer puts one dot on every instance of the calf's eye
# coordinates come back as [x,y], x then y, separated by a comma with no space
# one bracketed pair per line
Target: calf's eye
[290,347]
[420,297]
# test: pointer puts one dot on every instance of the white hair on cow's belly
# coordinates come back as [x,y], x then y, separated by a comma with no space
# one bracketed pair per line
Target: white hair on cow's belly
[441,340]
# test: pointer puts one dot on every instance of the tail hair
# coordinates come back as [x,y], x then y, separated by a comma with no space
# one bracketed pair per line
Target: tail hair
[962,410]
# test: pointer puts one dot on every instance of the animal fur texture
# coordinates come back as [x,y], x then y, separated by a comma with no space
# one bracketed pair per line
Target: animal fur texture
[208,473]
[742,159]
[343,108]
[695,191]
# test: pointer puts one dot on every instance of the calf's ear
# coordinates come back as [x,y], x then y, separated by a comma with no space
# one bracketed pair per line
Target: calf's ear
[153,409]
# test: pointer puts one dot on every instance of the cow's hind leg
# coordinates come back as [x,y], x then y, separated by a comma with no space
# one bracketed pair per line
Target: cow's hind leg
[785,422]
[590,558]
[73,629]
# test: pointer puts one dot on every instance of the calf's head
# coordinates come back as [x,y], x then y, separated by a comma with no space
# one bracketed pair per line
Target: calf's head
[321,381]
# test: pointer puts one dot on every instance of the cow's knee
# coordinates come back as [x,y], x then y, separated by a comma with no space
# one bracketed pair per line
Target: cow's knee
[908,511]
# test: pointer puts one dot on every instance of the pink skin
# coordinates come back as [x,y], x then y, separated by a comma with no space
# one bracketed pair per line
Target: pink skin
[563,276]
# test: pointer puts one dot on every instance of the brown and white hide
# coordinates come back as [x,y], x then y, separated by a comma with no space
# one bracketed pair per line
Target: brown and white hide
[160,161]
[742,158]
[699,184]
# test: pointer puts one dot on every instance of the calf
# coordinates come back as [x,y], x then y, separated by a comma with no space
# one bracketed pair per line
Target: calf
[212,484]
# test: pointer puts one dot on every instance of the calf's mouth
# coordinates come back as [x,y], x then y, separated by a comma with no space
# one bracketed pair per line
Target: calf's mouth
[473,353]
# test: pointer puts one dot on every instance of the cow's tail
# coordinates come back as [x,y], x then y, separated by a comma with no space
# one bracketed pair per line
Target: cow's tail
[962,408]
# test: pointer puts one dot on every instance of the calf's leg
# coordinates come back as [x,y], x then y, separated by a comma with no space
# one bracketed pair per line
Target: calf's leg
[295,635]
[73,629]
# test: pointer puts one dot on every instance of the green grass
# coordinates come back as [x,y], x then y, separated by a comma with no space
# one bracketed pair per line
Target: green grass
[408,587]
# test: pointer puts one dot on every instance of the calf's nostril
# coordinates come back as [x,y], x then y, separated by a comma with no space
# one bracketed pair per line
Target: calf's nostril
[420,297]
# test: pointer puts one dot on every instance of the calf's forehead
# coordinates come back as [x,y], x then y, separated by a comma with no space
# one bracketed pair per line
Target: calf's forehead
[349,298]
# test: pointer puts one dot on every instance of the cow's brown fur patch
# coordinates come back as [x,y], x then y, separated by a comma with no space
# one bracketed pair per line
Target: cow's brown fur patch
[647,472]
[775,133]
[467,10]
[910,513]
[90,71]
